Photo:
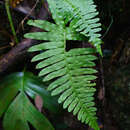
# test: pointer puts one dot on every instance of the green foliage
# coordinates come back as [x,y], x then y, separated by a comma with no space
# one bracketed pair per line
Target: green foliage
[71,72]
[81,16]
[17,107]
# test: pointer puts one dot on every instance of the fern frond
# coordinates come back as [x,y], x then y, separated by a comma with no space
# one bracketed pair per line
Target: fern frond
[70,71]
[81,14]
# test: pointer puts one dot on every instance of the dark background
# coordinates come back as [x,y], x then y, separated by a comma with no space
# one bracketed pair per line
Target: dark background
[114,67]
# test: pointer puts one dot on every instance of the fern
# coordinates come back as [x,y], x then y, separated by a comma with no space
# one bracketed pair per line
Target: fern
[81,14]
[71,72]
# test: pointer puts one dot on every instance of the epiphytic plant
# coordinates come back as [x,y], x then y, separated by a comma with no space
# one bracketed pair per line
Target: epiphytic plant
[72,72]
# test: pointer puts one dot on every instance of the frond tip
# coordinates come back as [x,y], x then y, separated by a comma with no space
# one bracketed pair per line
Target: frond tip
[82,16]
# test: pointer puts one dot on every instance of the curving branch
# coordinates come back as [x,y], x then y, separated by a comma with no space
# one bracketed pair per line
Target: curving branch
[19,50]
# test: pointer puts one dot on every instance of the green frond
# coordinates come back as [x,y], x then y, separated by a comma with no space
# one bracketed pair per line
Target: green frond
[81,15]
[70,71]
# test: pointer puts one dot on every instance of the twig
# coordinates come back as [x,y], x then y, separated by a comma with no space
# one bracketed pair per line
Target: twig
[4,47]
[108,28]
[26,17]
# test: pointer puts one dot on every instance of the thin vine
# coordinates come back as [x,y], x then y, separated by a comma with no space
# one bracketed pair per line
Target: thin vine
[7,6]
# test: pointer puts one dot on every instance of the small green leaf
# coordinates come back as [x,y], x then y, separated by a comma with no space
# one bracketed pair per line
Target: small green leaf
[22,111]
[9,87]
